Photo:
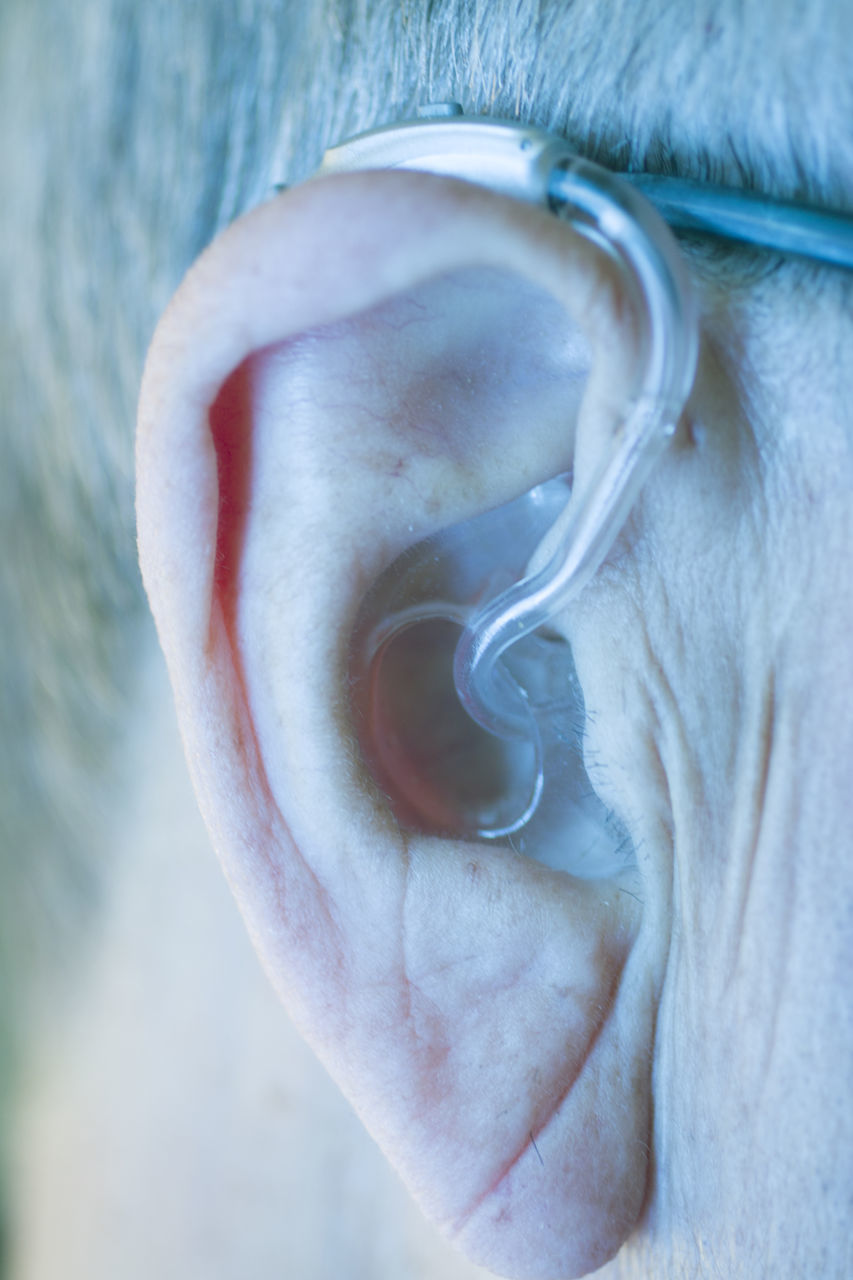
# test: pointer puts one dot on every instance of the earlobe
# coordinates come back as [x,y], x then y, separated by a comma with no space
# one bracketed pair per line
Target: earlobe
[311,404]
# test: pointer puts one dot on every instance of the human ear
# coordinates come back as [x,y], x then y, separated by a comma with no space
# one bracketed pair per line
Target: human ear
[312,404]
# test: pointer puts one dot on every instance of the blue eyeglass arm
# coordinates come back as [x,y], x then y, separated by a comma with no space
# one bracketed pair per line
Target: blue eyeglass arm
[746,216]
[525,161]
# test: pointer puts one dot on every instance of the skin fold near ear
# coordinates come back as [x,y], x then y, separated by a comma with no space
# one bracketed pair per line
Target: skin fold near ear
[347,369]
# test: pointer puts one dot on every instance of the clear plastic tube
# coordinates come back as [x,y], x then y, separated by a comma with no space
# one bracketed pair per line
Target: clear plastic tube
[602,208]
[467,706]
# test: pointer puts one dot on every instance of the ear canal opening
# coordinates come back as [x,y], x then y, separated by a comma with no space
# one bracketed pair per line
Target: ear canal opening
[443,773]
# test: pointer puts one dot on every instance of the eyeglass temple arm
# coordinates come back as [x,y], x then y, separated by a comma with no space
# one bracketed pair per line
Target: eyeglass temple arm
[745,216]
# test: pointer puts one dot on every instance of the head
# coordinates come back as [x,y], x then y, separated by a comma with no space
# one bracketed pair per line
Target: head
[630,1073]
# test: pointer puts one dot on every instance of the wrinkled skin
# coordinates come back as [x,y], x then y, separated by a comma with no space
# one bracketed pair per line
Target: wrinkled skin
[639,1070]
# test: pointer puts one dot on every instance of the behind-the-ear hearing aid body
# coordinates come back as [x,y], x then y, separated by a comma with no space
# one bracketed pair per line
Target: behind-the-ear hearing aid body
[521,778]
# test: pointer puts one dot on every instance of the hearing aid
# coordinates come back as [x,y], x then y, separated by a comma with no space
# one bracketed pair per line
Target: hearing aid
[494,749]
